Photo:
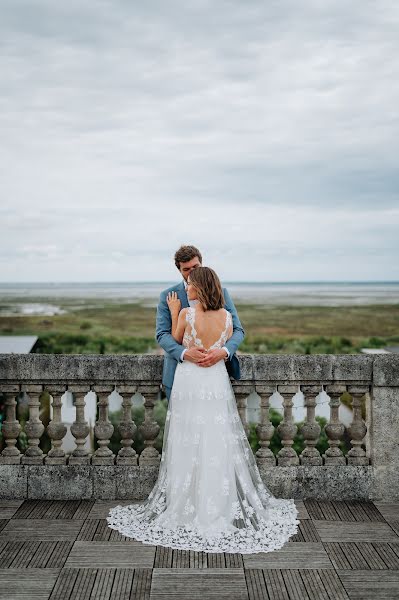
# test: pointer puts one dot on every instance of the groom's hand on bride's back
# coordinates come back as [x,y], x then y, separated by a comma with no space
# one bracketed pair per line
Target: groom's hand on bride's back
[194,354]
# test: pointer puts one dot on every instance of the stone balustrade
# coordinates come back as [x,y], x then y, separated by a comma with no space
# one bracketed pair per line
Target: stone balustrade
[369,470]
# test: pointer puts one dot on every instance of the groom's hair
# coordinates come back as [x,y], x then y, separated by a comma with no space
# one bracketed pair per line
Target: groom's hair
[186,253]
[208,287]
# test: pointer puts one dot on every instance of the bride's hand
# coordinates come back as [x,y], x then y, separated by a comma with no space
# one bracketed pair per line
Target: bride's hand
[173,302]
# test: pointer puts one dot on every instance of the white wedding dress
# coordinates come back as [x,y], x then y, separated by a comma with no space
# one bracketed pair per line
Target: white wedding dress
[209,495]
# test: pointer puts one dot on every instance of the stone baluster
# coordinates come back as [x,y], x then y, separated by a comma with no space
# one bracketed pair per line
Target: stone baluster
[358,429]
[127,427]
[334,428]
[265,429]
[11,427]
[56,429]
[241,393]
[287,428]
[103,428]
[80,428]
[149,428]
[310,429]
[34,428]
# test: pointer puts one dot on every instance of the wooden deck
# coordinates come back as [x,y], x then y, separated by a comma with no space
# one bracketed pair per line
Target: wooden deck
[63,550]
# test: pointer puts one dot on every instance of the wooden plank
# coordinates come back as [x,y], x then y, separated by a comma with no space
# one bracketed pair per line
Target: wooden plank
[338,531]
[314,584]
[10,552]
[25,555]
[181,559]
[294,584]
[343,511]
[256,584]
[309,532]
[275,584]
[354,556]
[337,555]
[394,526]
[372,511]
[306,555]
[87,530]
[54,509]
[163,557]
[27,584]
[3,523]
[198,560]
[83,510]
[59,557]
[101,508]
[121,588]
[141,587]
[357,509]
[25,509]
[110,555]
[333,585]
[194,584]
[84,584]
[371,555]
[42,556]
[386,553]
[328,510]
[69,509]
[103,532]
[8,508]
[312,506]
[116,536]
[389,510]
[103,583]
[370,585]
[233,560]
[216,560]
[64,585]
[40,509]
[37,529]
[302,511]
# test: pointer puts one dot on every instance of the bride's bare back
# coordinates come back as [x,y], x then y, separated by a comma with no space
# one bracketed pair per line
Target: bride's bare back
[207,329]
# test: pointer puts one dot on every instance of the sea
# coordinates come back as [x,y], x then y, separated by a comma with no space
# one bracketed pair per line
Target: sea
[48,298]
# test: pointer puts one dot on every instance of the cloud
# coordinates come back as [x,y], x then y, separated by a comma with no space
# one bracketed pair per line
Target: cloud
[254,129]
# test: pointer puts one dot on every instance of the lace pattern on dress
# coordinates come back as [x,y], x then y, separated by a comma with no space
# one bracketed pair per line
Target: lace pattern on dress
[191,338]
[209,495]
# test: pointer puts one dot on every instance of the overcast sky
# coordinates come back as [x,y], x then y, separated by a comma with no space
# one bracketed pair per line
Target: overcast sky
[265,133]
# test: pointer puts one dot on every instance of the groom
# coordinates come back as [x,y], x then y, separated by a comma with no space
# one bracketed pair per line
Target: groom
[188,258]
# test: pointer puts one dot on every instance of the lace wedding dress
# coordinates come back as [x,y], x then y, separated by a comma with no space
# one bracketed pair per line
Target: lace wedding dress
[209,495]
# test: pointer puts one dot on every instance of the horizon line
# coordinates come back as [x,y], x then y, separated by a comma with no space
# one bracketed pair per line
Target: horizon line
[242,281]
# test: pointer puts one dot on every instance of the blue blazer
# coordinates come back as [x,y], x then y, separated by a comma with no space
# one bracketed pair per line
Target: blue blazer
[173,349]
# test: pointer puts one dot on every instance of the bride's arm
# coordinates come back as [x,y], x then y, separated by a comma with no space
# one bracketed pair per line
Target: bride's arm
[178,316]
[179,325]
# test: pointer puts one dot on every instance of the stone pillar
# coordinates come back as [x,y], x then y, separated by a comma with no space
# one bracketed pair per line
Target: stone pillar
[103,428]
[334,429]
[358,428]
[56,429]
[127,427]
[265,429]
[34,428]
[149,428]
[11,427]
[80,428]
[383,425]
[241,393]
[310,429]
[287,428]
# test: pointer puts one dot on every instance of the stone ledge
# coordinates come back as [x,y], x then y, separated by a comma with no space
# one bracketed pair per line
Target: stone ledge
[78,482]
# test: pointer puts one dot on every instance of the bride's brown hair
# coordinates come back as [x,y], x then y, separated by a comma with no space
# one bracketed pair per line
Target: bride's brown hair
[208,288]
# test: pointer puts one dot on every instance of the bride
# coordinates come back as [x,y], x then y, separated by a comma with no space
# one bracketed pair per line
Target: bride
[209,495]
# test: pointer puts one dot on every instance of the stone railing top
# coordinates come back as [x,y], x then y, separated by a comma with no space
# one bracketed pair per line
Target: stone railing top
[380,370]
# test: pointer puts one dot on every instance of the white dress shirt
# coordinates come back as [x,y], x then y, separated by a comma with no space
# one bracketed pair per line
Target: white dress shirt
[193,303]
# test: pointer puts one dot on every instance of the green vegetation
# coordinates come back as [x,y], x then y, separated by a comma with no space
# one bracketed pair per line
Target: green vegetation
[103,327]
